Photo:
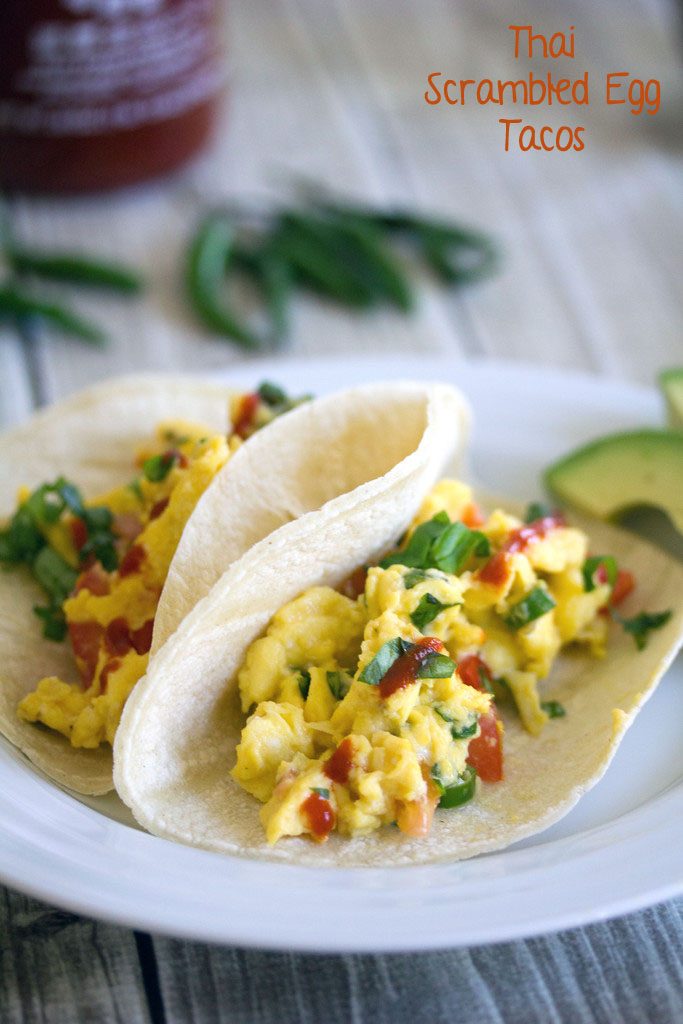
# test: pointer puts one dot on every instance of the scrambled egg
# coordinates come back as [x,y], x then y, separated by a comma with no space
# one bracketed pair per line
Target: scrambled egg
[357,714]
[110,616]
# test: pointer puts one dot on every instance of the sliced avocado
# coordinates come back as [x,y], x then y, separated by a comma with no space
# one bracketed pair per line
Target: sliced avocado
[620,472]
[671,383]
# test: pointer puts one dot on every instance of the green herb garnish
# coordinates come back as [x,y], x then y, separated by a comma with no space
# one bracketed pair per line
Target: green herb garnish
[339,686]
[158,467]
[640,626]
[535,604]
[427,610]
[457,793]
[537,510]
[321,791]
[440,544]
[458,732]
[375,671]
[553,708]
[591,566]
[304,682]
[436,666]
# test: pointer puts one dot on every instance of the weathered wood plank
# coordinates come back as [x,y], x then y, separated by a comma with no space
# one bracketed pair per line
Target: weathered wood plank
[57,968]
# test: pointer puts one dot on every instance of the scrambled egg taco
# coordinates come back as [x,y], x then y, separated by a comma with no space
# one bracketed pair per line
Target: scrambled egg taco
[341,697]
[103,487]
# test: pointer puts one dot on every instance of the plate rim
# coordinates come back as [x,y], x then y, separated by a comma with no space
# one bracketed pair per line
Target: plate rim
[251,932]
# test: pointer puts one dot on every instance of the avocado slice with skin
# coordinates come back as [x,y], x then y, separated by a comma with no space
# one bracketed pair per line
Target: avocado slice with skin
[615,474]
[671,383]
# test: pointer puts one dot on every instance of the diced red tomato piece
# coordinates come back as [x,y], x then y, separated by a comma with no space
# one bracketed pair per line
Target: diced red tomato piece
[117,636]
[157,509]
[132,561]
[79,532]
[94,579]
[625,583]
[354,585]
[141,638]
[472,516]
[127,526]
[485,752]
[86,638]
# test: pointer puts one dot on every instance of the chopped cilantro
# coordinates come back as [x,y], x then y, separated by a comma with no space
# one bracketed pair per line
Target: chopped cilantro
[271,394]
[535,604]
[591,566]
[135,487]
[436,666]
[427,610]
[54,622]
[440,544]
[375,671]
[158,467]
[537,510]
[55,576]
[321,791]
[339,686]
[640,626]
[458,730]
[304,682]
[553,708]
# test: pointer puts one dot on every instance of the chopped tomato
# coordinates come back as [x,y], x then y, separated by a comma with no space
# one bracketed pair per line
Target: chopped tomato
[127,526]
[85,640]
[485,752]
[158,508]
[132,561]
[625,583]
[472,516]
[354,585]
[141,638]
[117,636]
[415,817]
[94,579]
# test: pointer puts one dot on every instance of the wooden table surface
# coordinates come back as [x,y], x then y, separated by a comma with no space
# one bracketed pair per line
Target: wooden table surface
[591,280]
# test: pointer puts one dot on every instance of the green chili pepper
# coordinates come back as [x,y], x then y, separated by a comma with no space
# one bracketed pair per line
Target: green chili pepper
[460,791]
[273,276]
[75,268]
[210,255]
[306,245]
[361,245]
[18,305]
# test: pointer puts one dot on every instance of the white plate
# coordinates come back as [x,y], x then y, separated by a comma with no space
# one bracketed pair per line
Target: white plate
[617,851]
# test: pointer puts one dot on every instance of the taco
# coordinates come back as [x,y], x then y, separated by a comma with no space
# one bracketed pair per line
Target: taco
[103,486]
[465,684]
[100,539]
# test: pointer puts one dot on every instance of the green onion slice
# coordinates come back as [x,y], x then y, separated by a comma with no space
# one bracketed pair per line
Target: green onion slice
[535,604]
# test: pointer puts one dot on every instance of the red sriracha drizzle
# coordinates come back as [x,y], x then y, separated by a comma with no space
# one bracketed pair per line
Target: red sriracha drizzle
[497,568]
[485,752]
[406,668]
[338,768]
[319,815]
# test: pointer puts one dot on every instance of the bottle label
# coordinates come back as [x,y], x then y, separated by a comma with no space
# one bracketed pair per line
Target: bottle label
[101,66]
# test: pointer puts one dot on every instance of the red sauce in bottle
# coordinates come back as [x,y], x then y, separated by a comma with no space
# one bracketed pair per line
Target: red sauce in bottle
[96,94]
[405,669]
[319,815]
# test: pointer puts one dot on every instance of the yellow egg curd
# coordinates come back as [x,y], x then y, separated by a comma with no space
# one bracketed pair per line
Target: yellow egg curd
[372,708]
